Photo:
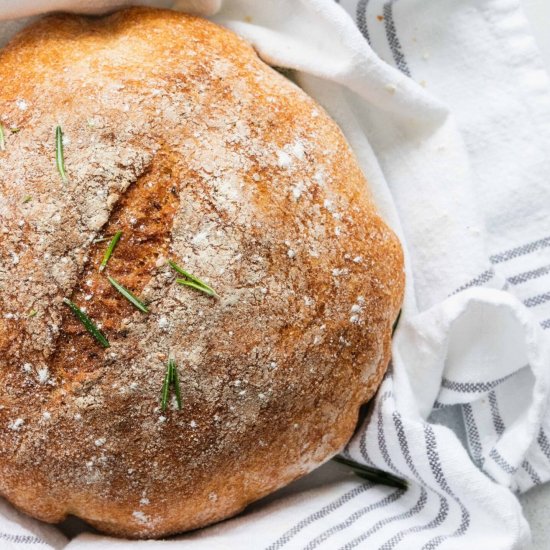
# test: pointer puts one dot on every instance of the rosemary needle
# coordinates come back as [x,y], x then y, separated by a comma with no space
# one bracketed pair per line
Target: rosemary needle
[89,325]
[170,379]
[395,323]
[176,383]
[110,249]
[166,386]
[129,296]
[2,139]
[372,474]
[59,155]
[191,280]
[196,286]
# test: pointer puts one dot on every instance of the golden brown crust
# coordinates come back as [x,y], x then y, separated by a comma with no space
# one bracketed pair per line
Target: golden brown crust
[178,135]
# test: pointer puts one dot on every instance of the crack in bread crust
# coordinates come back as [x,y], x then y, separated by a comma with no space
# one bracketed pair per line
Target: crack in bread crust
[178,135]
[144,214]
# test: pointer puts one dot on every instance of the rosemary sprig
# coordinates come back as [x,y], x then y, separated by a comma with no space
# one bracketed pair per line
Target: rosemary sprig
[109,250]
[59,155]
[89,325]
[192,281]
[170,379]
[2,139]
[372,474]
[129,296]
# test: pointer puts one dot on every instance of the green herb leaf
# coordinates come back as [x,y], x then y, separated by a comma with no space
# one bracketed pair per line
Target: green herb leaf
[166,386]
[372,474]
[110,249]
[396,322]
[176,382]
[192,281]
[170,379]
[89,325]
[2,139]
[27,199]
[14,130]
[59,155]
[196,286]
[129,296]
[32,313]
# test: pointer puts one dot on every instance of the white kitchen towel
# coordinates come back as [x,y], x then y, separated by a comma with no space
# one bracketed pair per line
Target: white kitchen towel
[447,106]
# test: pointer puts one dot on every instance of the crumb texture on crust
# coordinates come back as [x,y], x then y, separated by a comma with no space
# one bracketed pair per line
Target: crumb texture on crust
[176,133]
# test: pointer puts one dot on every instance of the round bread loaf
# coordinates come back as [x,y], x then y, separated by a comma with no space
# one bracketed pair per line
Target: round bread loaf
[178,135]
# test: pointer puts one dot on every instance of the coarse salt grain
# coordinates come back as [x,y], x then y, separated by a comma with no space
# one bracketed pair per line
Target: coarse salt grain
[43,375]
[283,159]
[163,323]
[140,516]
[298,150]
[16,424]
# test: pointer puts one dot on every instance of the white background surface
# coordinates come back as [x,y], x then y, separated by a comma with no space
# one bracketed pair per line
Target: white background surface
[537,501]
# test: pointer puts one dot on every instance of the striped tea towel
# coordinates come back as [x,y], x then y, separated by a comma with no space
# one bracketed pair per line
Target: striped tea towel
[447,107]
